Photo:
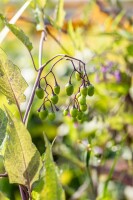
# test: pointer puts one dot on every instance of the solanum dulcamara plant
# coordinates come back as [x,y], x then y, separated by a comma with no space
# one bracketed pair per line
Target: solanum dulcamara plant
[22,161]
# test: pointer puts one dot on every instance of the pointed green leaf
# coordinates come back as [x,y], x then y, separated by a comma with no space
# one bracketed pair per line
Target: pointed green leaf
[18,33]
[60,13]
[52,188]
[21,158]
[12,84]
[3,125]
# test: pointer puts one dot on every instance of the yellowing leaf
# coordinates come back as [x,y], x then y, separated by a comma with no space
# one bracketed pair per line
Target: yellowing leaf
[3,125]
[12,84]
[21,158]
[18,33]
[60,14]
[52,189]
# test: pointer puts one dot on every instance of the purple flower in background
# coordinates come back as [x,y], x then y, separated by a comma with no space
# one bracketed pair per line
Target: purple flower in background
[110,64]
[117,75]
[107,67]
[104,69]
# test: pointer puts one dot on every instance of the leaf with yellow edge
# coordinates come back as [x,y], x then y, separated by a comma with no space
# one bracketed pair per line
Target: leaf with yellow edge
[22,160]
[12,84]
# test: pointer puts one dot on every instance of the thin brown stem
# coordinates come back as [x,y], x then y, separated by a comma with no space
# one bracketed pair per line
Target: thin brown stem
[32,97]
[33,61]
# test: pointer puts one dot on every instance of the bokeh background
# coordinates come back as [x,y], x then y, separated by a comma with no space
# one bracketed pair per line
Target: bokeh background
[101,34]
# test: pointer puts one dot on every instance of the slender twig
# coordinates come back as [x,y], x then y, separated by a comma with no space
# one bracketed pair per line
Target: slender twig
[91,182]
[4,175]
[33,61]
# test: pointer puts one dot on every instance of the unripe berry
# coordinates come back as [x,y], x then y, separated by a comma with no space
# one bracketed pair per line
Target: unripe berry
[54,99]
[51,116]
[56,89]
[40,93]
[43,114]
[65,112]
[83,90]
[83,107]
[90,90]
[77,76]
[82,100]
[80,115]
[69,89]
[74,112]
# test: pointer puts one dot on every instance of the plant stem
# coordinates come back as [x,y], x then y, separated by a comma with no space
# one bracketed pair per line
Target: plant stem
[3,175]
[91,182]
[32,97]
[41,48]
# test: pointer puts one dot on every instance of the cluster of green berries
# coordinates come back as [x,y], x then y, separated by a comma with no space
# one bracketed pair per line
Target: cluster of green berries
[44,113]
[77,111]
[79,106]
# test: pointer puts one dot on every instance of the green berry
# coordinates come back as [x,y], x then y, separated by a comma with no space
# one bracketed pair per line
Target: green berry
[82,100]
[65,112]
[40,93]
[74,112]
[83,90]
[90,90]
[43,114]
[83,107]
[69,89]
[51,116]
[77,76]
[80,115]
[54,99]
[56,89]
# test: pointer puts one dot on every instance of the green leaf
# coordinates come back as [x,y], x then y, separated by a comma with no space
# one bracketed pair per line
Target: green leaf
[3,125]
[60,14]
[52,188]
[18,33]
[12,84]
[21,158]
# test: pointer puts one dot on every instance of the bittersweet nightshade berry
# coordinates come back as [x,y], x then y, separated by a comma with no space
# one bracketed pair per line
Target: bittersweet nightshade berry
[43,114]
[56,89]
[83,90]
[40,93]
[90,90]
[69,89]
[54,99]
[77,76]
[51,116]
